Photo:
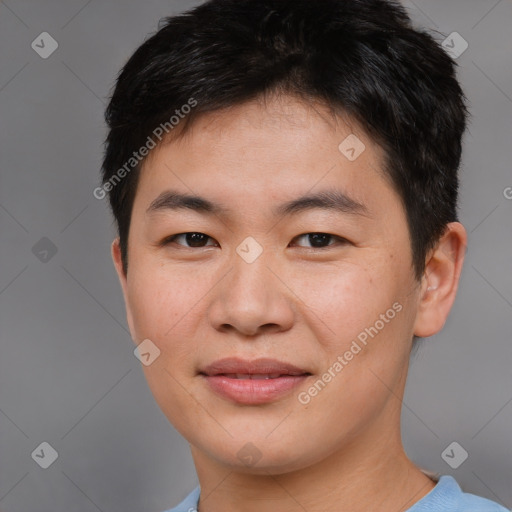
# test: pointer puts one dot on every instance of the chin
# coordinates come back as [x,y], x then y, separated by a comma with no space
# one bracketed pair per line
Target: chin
[261,456]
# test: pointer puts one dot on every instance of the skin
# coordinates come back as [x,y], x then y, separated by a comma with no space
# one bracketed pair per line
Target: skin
[294,303]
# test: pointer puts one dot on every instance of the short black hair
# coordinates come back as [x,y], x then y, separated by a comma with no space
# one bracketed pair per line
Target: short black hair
[361,58]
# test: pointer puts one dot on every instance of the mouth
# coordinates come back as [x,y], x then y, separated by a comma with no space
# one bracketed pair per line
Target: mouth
[253,376]
[235,367]
[253,382]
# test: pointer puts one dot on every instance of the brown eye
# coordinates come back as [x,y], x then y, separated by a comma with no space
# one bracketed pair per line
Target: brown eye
[321,240]
[192,239]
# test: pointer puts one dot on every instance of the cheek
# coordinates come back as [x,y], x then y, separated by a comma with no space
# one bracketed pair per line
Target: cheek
[362,323]
[161,299]
[346,300]
[162,304]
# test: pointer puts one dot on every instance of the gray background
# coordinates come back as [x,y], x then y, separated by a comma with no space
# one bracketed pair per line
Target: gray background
[68,375]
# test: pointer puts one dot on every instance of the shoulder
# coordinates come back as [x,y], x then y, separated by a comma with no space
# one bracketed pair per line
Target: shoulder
[448,496]
[189,504]
[473,503]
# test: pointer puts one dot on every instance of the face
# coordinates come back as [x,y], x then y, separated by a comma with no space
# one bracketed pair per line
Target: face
[325,285]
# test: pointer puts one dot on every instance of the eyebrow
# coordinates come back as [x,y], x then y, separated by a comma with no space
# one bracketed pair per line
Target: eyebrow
[330,199]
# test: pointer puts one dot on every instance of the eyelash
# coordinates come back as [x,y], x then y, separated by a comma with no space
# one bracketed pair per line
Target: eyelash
[170,240]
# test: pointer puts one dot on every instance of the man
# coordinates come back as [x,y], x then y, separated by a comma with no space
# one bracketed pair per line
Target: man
[283,175]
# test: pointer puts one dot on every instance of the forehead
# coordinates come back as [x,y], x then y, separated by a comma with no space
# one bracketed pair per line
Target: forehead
[270,149]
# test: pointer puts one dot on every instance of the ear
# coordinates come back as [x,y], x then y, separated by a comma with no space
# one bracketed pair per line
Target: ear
[440,281]
[123,279]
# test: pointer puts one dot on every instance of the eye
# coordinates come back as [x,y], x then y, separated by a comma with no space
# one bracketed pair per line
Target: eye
[321,240]
[194,239]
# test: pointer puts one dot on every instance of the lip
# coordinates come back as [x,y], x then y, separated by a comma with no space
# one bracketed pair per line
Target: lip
[256,366]
[252,391]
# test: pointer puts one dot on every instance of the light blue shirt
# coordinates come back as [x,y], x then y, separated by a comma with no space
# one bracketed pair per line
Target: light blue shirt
[446,496]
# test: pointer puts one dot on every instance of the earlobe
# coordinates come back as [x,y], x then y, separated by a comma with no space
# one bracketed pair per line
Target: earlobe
[115,249]
[118,264]
[440,281]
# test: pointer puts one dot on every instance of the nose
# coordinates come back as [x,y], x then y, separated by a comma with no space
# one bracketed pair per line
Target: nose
[253,298]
